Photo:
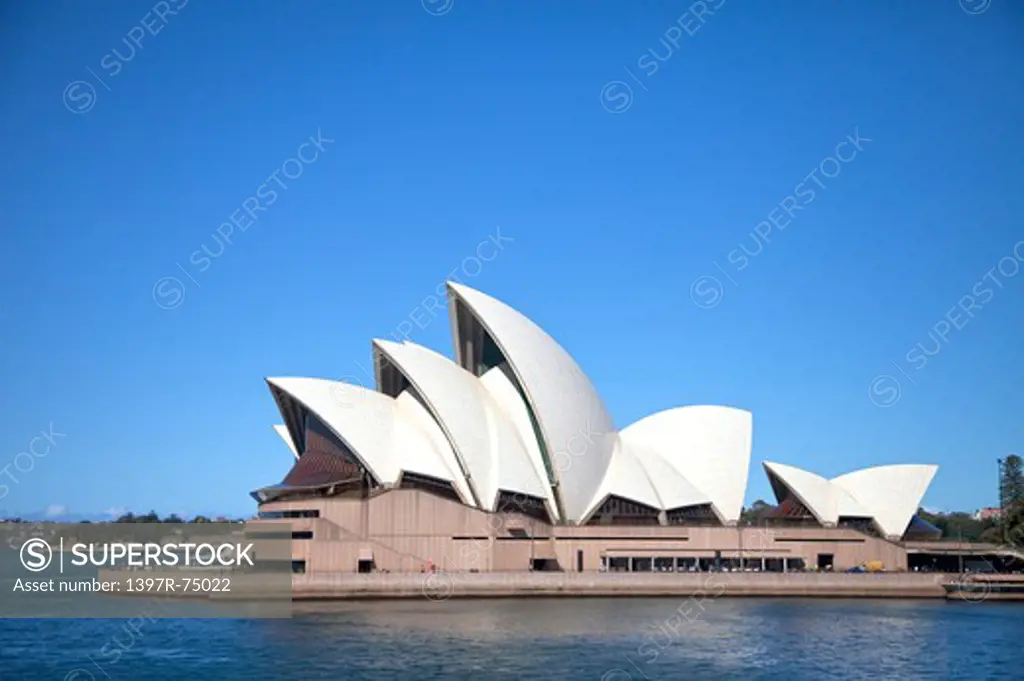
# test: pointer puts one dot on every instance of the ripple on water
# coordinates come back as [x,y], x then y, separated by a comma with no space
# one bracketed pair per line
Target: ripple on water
[614,640]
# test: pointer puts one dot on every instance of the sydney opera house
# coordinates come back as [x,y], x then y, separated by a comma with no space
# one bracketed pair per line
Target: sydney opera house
[506,459]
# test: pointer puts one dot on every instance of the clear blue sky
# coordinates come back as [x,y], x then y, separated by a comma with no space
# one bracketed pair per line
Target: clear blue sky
[496,113]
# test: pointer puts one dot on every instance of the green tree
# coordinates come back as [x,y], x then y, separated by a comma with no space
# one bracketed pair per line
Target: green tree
[957,525]
[1011,481]
[1012,525]
[756,514]
[993,535]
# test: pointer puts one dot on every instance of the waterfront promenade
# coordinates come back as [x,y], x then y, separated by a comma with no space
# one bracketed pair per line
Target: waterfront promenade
[445,585]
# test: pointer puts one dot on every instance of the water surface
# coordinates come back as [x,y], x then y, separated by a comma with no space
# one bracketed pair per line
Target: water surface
[610,639]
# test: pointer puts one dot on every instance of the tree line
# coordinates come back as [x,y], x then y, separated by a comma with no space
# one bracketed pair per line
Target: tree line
[151,517]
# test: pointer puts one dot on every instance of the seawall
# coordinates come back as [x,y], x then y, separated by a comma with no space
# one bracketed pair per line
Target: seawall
[445,585]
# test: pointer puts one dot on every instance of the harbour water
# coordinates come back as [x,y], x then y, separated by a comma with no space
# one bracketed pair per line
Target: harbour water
[599,639]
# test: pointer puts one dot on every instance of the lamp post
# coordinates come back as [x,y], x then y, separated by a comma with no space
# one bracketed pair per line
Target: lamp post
[739,531]
[533,536]
[960,547]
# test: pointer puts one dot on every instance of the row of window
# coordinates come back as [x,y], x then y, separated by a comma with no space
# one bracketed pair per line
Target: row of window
[281,515]
[700,564]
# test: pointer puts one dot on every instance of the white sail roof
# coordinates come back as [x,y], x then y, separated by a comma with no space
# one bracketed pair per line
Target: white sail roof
[709,446]
[282,431]
[627,479]
[673,490]
[890,495]
[504,394]
[485,444]
[577,432]
[388,436]
[813,491]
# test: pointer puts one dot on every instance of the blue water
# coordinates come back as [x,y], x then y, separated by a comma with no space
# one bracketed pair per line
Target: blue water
[609,639]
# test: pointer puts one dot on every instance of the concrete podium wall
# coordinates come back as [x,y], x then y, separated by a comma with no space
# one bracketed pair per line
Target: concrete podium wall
[406,530]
